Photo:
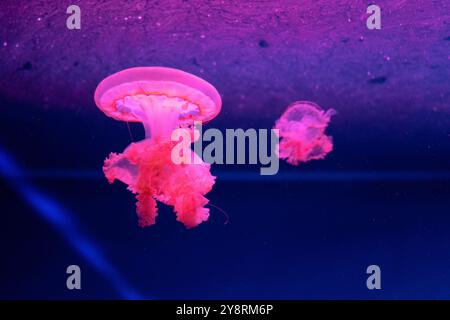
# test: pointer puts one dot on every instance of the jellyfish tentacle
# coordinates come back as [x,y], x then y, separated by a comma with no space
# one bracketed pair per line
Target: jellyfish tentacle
[190,209]
[146,209]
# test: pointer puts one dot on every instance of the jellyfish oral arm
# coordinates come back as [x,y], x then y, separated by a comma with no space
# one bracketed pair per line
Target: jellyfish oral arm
[146,167]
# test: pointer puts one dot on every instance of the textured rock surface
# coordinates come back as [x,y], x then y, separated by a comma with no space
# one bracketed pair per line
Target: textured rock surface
[260,54]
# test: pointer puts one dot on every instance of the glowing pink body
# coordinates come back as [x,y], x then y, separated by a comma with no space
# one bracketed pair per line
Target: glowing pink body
[163,100]
[302,132]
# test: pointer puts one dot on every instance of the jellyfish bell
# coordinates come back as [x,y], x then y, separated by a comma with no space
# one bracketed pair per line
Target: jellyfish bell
[162,99]
[147,94]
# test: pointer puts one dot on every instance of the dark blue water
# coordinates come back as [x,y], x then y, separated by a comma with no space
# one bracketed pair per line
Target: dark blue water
[382,197]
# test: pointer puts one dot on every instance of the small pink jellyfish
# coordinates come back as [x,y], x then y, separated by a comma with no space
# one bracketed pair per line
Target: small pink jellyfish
[302,132]
[162,99]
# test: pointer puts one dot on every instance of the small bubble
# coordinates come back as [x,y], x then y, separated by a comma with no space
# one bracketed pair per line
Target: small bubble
[5,44]
[158,24]
[202,36]
[39,19]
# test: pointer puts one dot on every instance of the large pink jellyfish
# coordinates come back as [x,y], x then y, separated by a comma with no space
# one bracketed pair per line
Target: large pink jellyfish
[302,132]
[162,99]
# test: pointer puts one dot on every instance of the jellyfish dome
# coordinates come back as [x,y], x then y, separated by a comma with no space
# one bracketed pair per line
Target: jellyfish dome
[302,132]
[162,99]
